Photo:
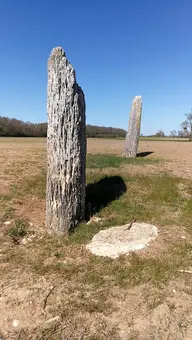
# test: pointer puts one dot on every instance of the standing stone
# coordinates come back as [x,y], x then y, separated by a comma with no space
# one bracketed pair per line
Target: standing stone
[132,137]
[66,146]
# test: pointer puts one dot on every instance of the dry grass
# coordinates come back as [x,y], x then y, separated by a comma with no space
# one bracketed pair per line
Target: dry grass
[93,298]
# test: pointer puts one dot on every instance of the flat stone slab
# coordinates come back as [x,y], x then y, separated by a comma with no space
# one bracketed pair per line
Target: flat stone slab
[116,241]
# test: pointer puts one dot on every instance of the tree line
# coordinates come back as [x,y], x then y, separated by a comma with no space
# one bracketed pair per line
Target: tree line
[11,127]
[186,128]
[94,131]
[184,132]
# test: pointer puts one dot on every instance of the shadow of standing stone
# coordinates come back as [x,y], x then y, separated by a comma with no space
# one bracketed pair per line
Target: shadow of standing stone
[144,154]
[103,192]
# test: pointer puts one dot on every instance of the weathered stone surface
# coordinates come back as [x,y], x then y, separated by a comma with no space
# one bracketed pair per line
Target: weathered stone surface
[66,146]
[117,241]
[132,137]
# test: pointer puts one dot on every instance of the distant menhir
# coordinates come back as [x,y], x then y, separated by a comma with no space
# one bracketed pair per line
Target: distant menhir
[132,137]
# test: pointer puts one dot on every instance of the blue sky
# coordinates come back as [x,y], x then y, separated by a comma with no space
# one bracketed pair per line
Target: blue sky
[119,48]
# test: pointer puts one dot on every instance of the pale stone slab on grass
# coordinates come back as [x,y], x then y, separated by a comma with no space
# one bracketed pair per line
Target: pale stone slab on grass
[117,241]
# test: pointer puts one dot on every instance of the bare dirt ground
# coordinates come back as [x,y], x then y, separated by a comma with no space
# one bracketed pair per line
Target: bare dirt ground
[53,288]
[177,154]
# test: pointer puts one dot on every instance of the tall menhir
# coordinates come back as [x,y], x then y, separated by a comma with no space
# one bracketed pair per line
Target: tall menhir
[132,137]
[66,146]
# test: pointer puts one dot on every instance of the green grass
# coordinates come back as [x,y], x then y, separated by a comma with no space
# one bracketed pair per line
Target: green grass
[86,284]
[34,186]
[103,273]
[138,270]
[154,199]
[9,213]
[101,161]
[19,229]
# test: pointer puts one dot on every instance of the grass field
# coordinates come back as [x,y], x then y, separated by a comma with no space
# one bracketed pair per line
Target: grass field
[53,288]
